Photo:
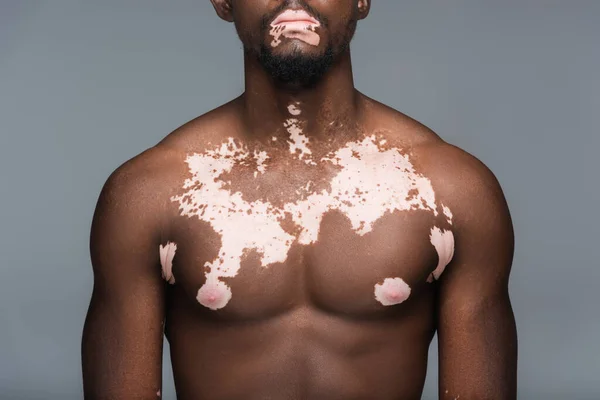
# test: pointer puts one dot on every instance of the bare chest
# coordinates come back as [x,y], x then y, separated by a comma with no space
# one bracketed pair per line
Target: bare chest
[356,230]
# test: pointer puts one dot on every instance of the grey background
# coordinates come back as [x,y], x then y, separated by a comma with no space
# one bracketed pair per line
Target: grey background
[86,85]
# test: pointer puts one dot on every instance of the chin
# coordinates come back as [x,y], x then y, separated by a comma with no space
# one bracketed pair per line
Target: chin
[295,63]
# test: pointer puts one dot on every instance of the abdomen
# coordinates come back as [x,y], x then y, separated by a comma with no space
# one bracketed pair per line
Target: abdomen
[304,353]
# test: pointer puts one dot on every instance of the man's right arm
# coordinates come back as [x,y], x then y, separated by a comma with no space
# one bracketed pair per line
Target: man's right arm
[123,332]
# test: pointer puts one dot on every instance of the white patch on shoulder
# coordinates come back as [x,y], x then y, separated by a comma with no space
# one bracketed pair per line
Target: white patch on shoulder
[370,183]
[443,241]
[167,253]
[393,291]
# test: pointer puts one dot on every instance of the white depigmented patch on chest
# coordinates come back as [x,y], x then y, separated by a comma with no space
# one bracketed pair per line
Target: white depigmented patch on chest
[370,182]
[392,291]
[448,214]
[260,157]
[294,110]
[298,141]
[241,224]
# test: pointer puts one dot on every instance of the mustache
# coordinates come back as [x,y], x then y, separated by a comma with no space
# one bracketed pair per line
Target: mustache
[270,17]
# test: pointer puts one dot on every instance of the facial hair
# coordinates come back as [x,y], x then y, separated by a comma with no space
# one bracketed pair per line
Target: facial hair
[296,69]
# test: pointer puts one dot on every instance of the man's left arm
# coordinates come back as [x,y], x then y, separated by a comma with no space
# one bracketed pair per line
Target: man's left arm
[477,336]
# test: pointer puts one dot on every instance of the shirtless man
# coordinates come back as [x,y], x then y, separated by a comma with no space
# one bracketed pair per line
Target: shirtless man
[300,242]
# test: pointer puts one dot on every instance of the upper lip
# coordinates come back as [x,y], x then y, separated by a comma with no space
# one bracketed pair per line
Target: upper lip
[294,16]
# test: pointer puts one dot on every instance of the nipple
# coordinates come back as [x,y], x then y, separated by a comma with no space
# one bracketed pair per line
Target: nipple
[392,291]
[214,294]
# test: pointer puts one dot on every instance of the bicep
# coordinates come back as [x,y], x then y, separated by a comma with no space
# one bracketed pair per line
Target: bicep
[476,327]
[122,337]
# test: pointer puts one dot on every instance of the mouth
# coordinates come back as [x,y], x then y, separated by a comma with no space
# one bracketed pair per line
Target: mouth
[295,16]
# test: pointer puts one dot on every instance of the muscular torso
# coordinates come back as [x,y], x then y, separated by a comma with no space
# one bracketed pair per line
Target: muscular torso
[302,270]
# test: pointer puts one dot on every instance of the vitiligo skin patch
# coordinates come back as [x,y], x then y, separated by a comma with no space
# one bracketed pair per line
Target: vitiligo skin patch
[370,182]
[443,241]
[295,24]
[294,110]
[214,294]
[393,291]
[298,141]
[167,253]
[448,214]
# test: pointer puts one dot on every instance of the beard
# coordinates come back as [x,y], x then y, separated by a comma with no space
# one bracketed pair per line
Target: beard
[296,69]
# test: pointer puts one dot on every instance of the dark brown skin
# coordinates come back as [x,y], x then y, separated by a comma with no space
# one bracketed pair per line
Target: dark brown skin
[308,328]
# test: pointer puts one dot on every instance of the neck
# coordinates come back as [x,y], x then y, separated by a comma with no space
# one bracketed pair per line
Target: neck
[331,102]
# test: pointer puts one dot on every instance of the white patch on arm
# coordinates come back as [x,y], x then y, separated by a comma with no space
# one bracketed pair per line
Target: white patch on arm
[443,241]
[167,253]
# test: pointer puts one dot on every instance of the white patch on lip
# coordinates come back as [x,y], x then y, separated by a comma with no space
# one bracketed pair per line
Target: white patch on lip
[167,253]
[303,30]
[443,241]
[276,33]
[393,291]
[370,182]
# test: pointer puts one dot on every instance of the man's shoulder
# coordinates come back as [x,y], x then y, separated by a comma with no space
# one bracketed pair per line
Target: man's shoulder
[198,133]
[402,129]
[431,155]
[145,182]
[138,185]
[155,167]
[461,181]
[452,164]
[458,177]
